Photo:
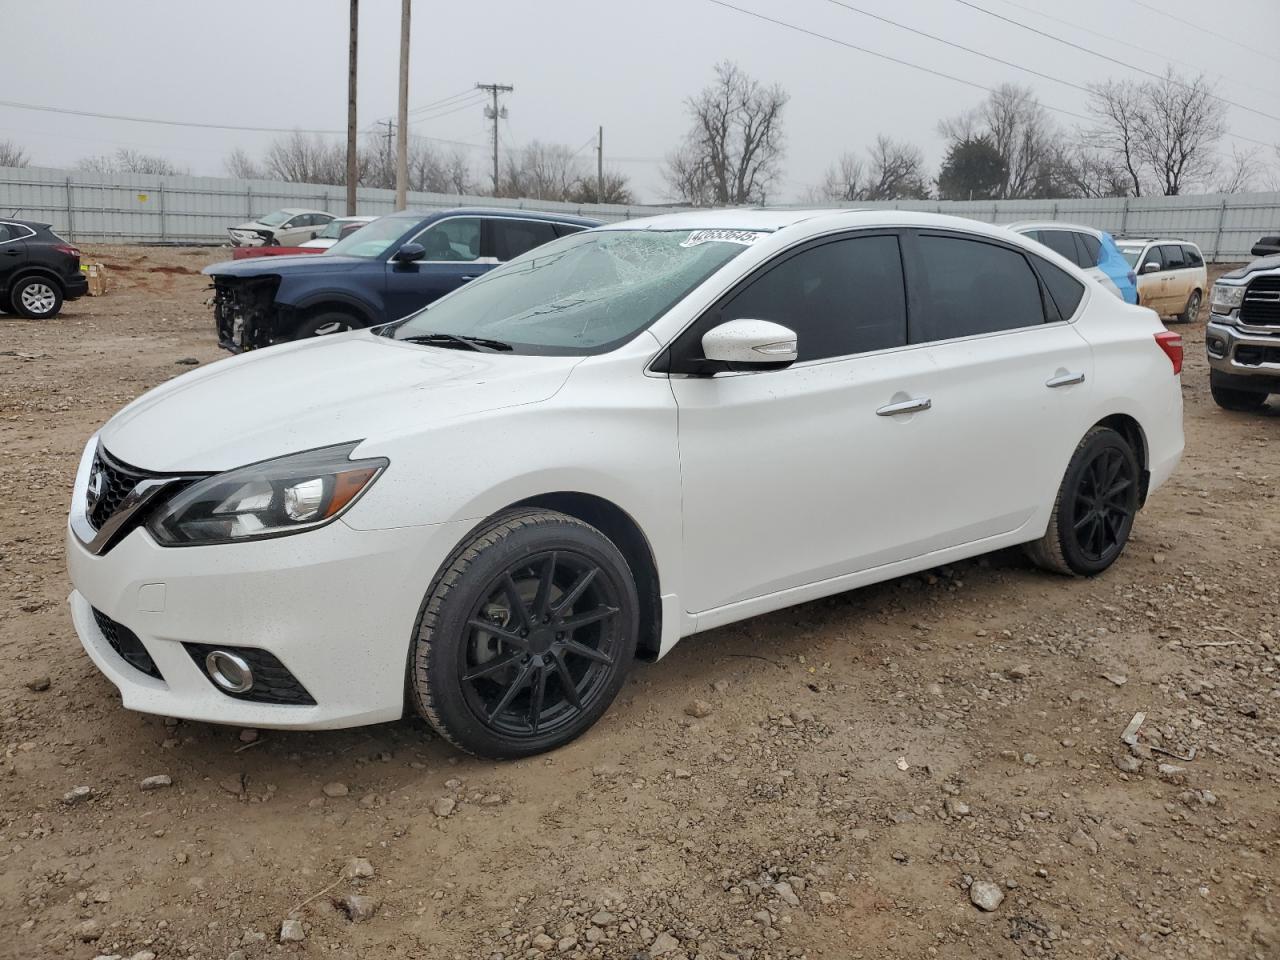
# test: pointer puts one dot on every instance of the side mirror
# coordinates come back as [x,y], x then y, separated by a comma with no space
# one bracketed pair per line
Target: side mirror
[1150,267]
[750,345]
[410,252]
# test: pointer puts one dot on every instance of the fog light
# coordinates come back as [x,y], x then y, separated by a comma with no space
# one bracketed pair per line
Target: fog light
[229,671]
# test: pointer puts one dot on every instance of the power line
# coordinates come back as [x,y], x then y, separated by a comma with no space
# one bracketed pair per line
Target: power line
[39,108]
[469,92]
[467,105]
[875,53]
[1109,59]
[1196,26]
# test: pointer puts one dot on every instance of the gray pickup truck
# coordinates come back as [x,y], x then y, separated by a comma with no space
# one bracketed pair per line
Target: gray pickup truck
[1243,335]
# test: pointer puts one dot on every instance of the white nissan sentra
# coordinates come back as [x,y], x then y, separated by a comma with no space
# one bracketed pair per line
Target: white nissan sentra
[632,434]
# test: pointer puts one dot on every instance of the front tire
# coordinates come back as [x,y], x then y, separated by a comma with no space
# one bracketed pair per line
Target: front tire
[525,637]
[1241,401]
[36,298]
[1095,507]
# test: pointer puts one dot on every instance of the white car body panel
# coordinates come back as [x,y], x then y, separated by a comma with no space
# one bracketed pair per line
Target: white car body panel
[752,491]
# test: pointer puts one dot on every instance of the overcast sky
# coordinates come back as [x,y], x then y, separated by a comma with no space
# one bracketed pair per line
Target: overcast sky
[576,64]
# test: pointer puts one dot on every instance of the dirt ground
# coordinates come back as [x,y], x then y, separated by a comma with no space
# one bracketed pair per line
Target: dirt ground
[865,759]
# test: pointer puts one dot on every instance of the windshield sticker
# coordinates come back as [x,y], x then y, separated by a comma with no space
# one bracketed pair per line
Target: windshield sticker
[744,237]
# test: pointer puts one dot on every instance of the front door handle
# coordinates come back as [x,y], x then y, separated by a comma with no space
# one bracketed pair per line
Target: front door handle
[1065,380]
[914,405]
[472,277]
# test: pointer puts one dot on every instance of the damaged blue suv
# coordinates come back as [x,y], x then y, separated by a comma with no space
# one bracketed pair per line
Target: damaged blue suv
[381,272]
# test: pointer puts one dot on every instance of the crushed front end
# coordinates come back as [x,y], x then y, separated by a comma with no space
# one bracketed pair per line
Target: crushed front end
[245,311]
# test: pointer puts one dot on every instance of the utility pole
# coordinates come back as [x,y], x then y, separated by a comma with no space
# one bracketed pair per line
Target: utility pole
[352,166]
[600,165]
[402,131]
[494,114]
[385,174]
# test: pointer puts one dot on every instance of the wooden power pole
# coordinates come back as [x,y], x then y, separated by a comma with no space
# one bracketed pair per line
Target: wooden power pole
[402,128]
[494,114]
[353,170]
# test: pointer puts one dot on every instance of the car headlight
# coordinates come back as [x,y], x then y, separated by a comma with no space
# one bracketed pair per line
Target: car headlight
[1226,297]
[268,499]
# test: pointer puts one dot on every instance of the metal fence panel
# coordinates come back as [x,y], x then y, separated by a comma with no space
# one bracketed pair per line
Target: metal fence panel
[139,208]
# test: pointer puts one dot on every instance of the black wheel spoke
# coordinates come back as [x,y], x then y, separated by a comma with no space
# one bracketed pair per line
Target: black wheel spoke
[576,622]
[590,653]
[542,601]
[574,593]
[518,609]
[1080,524]
[493,666]
[516,686]
[568,686]
[536,700]
[502,633]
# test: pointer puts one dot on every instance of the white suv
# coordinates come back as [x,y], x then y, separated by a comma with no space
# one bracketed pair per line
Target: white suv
[624,437]
[1172,279]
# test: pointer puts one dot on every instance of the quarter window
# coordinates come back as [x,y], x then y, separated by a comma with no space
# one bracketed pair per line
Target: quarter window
[841,298]
[1091,248]
[514,237]
[973,287]
[1192,256]
[456,239]
[1065,291]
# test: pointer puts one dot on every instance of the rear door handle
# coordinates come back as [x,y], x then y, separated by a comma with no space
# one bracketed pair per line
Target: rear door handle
[472,277]
[904,406]
[1065,380]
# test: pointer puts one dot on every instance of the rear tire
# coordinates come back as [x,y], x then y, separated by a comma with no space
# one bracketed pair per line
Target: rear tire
[323,324]
[1192,310]
[1241,401]
[525,637]
[1095,507]
[36,298]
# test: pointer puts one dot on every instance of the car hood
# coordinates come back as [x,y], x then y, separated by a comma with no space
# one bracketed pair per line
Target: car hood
[1271,262]
[314,393]
[262,266]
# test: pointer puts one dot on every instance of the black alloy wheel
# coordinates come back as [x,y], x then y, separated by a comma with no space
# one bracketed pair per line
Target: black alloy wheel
[526,635]
[1095,508]
[540,643]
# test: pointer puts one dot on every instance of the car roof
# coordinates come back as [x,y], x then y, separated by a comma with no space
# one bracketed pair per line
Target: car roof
[304,210]
[514,213]
[33,224]
[1135,241]
[1024,225]
[363,218]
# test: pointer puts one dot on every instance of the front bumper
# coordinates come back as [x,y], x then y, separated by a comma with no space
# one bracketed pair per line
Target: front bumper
[1243,351]
[336,606]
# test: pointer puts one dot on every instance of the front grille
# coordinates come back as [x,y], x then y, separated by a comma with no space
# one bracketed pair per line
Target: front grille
[117,480]
[272,681]
[1261,306]
[126,643]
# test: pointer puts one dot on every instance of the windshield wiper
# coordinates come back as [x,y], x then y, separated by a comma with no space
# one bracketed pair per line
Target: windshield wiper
[480,344]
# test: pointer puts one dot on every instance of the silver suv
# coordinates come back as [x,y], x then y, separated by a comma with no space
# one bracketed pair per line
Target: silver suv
[1243,335]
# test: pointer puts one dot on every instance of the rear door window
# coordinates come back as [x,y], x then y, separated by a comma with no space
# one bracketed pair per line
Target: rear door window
[841,298]
[511,238]
[564,229]
[1061,242]
[1172,255]
[5,233]
[971,287]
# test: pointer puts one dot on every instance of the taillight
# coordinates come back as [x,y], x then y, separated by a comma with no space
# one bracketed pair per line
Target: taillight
[67,249]
[1171,344]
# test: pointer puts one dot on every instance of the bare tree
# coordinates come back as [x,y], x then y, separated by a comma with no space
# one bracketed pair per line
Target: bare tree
[1165,132]
[128,160]
[239,164]
[616,189]
[894,170]
[1241,174]
[298,158]
[543,171]
[436,172]
[1179,128]
[1118,106]
[733,152]
[1081,171]
[12,155]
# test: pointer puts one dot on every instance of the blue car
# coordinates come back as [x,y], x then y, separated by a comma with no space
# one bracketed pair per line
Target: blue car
[1094,251]
[381,272]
